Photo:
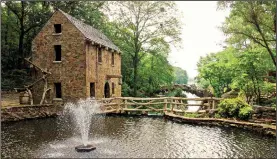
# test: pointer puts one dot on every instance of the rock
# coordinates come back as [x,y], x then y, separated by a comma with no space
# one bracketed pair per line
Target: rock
[231,94]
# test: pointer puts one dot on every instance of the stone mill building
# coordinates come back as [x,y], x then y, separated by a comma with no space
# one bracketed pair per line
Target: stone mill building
[81,61]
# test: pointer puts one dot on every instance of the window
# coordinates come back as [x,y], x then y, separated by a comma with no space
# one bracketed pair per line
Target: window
[99,55]
[58,90]
[112,58]
[92,89]
[58,52]
[113,87]
[58,28]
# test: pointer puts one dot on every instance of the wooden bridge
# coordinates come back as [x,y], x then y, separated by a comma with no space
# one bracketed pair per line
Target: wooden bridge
[157,105]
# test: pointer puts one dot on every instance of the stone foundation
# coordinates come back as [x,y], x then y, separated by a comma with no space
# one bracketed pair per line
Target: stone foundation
[16,113]
[262,114]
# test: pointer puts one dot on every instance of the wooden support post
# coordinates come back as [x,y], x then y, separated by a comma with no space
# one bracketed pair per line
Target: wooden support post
[171,105]
[213,104]
[165,105]
[202,105]
[118,105]
[125,104]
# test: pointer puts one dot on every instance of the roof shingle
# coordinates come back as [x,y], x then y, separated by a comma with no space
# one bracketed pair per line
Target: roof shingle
[91,33]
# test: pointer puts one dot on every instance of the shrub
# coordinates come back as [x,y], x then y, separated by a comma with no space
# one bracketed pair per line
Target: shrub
[217,115]
[191,115]
[245,113]
[234,108]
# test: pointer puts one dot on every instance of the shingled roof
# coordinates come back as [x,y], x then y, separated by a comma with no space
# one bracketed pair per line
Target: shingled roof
[91,33]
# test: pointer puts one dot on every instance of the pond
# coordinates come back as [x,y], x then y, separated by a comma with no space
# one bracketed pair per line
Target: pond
[141,137]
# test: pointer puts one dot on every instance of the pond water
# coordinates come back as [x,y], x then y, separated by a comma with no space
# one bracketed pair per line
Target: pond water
[141,137]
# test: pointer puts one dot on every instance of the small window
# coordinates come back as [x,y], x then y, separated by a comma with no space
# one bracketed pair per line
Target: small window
[58,90]
[58,28]
[113,87]
[58,52]
[112,58]
[99,55]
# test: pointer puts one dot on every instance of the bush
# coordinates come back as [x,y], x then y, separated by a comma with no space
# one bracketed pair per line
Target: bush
[191,115]
[217,115]
[235,108]
[245,113]
[126,90]
[15,78]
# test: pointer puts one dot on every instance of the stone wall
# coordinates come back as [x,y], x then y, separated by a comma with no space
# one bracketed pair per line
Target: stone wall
[264,114]
[16,113]
[70,71]
[78,66]
[97,71]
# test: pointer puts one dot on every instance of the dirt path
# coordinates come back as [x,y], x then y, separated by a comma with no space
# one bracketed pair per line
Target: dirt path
[9,99]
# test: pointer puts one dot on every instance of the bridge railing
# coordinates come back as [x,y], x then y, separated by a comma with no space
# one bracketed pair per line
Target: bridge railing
[159,105]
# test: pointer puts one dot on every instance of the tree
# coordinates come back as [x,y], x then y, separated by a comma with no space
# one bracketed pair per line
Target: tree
[252,21]
[143,21]
[251,69]
[217,70]
[181,76]
[28,18]
[155,69]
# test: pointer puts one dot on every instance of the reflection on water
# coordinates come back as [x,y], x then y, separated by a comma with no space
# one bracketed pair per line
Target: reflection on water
[131,137]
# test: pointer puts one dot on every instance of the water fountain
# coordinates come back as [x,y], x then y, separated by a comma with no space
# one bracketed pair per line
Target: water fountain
[81,113]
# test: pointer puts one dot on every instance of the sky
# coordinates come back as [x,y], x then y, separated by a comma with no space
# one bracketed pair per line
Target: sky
[200,34]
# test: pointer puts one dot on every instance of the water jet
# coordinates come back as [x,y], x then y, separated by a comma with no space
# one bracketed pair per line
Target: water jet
[81,113]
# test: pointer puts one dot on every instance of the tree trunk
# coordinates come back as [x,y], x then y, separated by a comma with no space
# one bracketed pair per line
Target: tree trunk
[21,36]
[135,73]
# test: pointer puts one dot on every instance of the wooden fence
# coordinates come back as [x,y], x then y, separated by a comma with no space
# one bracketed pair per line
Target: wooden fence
[157,105]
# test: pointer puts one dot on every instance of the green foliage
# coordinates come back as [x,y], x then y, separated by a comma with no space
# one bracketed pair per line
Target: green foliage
[268,88]
[15,79]
[191,115]
[215,70]
[181,76]
[245,112]
[143,32]
[217,115]
[252,22]
[126,90]
[234,108]
[176,93]
[244,70]
[250,53]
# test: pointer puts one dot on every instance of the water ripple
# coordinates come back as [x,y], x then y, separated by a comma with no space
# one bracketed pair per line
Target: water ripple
[120,137]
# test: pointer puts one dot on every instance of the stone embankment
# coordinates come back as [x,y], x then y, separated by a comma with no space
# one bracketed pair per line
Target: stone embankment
[15,113]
